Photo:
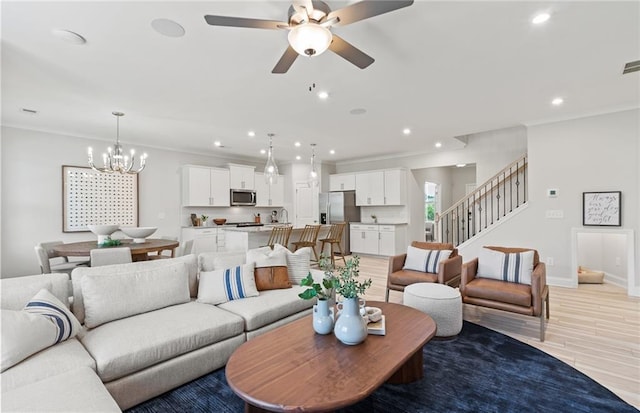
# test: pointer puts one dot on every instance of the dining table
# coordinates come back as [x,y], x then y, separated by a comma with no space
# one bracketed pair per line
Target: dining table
[139,251]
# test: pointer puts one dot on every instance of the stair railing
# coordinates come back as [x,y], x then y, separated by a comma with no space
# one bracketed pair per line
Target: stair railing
[486,205]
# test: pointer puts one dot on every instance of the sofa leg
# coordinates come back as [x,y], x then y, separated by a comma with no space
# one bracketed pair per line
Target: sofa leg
[386,298]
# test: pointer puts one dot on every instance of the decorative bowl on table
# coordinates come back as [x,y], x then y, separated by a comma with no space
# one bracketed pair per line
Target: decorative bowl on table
[103,231]
[219,221]
[138,233]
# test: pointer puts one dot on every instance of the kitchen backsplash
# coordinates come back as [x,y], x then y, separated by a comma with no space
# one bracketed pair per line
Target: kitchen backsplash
[232,214]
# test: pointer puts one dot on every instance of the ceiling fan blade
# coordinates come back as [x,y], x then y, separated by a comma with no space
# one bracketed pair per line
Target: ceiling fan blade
[365,9]
[349,52]
[285,61]
[244,22]
[306,4]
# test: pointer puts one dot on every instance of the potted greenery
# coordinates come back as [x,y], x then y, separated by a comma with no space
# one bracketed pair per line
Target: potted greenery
[323,311]
[204,220]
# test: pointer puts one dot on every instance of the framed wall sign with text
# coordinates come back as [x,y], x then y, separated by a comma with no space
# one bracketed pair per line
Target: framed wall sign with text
[601,208]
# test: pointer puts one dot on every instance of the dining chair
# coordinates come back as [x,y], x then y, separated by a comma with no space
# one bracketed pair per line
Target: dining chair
[308,238]
[168,253]
[280,235]
[110,256]
[334,238]
[50,262]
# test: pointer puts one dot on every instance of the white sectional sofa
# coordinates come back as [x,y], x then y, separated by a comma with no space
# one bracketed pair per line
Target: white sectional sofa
[143,333]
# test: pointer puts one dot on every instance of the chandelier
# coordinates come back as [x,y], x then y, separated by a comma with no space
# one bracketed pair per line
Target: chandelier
[313,173]
[114,160]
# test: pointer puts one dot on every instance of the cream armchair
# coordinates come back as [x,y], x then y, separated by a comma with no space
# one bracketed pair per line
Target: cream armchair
[448,271]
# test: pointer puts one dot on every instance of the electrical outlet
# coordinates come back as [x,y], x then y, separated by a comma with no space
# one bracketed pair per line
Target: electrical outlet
[550,261]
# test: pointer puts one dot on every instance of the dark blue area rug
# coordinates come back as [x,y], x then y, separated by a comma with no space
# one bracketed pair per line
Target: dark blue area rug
[480,370]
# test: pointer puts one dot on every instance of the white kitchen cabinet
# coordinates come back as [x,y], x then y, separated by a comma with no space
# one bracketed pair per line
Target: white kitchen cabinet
[342,182]
[269,195]
[370,188]
[205,186]
[241,176]
[377,239]
[381,187]
[204,239]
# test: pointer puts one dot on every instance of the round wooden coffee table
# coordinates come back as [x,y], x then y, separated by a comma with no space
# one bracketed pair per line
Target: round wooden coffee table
[293,369]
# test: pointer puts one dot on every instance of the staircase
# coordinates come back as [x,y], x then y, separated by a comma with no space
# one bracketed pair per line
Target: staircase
[490,202]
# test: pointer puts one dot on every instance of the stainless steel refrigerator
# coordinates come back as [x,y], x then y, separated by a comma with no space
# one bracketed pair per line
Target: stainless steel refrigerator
[340,207]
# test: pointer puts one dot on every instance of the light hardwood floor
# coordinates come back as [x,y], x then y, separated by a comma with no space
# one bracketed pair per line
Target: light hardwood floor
[594,328]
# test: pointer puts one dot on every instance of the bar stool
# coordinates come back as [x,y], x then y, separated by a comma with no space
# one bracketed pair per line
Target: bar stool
[308,238]
[334,237]
[280,235]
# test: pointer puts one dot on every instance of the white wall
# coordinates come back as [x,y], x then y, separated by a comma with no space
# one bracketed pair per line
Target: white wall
[596,153]
[32,192]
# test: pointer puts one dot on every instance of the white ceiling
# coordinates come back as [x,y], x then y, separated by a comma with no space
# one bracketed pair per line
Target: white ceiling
[443,69]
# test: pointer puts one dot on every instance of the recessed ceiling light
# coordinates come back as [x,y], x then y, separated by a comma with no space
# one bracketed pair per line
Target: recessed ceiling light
[298,157]
[540,18]
[251,134]
[323,95]
[263,151]
[358,111]
[297,144]
[461,165]
[167,27]
[438,145]
[557,101]
[332,152]
[69,36]
[406,131]
[217,143]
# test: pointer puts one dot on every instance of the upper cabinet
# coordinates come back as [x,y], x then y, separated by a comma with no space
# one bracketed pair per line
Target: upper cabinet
[269,195]
[241,177]
[342,182]
[204,186]
[377,188]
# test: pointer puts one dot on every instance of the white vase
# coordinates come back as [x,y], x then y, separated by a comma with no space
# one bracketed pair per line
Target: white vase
[351,328]
[322,317]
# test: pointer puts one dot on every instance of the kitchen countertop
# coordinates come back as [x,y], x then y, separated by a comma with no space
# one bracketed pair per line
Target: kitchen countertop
[378,223]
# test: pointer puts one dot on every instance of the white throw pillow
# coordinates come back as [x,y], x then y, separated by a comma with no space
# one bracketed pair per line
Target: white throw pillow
[513,267]
[298,263]
[109,297]
[209,261]
[422,260]
[220,286]
[44,322]
[267,257]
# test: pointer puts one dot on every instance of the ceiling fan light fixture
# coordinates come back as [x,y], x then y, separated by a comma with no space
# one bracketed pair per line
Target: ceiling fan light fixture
[310,39]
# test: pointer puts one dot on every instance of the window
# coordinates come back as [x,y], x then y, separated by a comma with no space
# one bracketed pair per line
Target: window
[430,201]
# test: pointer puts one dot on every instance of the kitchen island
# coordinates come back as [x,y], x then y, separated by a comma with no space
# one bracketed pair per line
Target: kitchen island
[245,238]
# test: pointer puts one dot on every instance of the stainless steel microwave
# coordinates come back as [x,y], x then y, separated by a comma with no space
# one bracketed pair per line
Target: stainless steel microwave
[243,197]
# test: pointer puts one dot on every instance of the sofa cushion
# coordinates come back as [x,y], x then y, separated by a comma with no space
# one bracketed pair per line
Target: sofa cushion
[513,293]
[513,267]
[210,261]
[78,390]
[131,344]
[267,257]
[408,277]
[270,306]
[419,259]
[76,276]
[62,357]
[17,291]
[220,286]
[298,263]
[109,297]
[272,278]
[44,322]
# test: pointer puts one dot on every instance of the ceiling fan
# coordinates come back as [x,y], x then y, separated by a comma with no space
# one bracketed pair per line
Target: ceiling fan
[309,27]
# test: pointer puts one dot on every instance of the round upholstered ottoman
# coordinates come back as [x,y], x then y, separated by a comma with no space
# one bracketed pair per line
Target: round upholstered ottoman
[440,302]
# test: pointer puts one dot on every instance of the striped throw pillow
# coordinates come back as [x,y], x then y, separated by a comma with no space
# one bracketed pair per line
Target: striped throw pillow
[220,286]
[512,267]
[46,304]
[422,260]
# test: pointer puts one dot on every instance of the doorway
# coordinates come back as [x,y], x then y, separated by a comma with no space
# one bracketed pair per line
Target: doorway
[306,205]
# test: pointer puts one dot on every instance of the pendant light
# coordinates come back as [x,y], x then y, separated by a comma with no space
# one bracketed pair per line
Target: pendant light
[270,169]
[313,173]
[115,160]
